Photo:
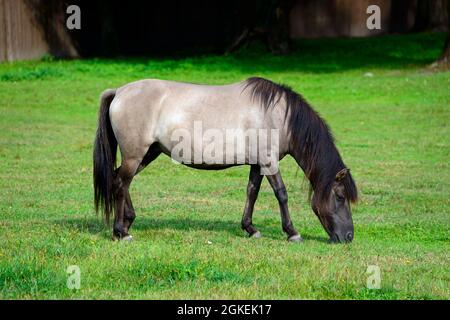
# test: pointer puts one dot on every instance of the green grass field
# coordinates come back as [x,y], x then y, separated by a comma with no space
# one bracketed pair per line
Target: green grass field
[389,113]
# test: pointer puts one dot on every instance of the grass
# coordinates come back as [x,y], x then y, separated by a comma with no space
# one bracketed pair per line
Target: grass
[390,117]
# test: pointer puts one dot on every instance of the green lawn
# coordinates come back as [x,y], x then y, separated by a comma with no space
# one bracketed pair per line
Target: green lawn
[390,116]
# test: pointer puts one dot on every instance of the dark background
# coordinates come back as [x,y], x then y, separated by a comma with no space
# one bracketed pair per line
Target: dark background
[113,28]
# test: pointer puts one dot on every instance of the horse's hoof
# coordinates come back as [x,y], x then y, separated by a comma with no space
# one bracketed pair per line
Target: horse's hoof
[127,238]
[295,238]
[256,235]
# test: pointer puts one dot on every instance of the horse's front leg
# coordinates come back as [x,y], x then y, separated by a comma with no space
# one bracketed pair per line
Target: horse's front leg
[254,183]
[280,192]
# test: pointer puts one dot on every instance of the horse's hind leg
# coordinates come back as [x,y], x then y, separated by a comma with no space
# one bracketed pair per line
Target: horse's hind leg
[122,183]
[129,213]
[254,183]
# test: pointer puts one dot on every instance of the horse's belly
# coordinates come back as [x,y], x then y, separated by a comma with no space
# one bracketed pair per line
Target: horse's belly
[209,166]
[216,149]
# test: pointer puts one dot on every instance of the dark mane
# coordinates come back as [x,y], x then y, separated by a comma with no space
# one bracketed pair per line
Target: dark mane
[311,139]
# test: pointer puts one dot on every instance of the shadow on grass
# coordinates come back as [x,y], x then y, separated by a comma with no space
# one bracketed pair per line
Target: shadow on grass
[319,55]
[334,55]
[308,55]
[92,226]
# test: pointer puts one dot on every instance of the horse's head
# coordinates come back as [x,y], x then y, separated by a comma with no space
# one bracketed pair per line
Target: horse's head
[335,213]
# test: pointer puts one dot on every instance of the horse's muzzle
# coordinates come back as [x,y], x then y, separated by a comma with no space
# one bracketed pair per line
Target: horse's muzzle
[342,238]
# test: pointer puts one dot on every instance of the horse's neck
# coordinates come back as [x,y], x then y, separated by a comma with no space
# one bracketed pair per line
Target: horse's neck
[316,168]
[301,161]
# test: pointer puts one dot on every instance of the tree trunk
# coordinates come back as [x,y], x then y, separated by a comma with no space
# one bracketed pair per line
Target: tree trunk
[430,15]
[444,59]
[272,27]
[278,40]
[51,17]
[400,9]
[446,54]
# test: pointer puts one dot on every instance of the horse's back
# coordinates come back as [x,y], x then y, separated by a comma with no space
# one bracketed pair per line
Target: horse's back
[156,107]
[154,94]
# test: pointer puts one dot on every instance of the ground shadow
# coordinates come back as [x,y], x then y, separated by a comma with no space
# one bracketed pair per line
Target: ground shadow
[311,55]
[96,226]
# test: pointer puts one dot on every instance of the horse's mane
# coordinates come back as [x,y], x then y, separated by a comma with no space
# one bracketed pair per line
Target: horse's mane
[310,137]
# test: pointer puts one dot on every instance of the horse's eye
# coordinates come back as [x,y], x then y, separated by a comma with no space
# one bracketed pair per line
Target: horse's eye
[340,198]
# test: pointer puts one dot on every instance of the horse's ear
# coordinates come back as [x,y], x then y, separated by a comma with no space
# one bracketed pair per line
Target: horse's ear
[341,174]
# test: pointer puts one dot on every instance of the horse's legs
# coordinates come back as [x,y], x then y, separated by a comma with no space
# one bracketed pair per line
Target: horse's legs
[280,192]
[122,183]
[129,214]
[254,183]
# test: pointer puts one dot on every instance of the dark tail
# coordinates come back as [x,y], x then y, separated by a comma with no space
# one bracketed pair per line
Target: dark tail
[105,150]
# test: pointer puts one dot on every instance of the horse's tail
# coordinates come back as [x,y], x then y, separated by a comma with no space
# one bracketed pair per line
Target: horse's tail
[105,150]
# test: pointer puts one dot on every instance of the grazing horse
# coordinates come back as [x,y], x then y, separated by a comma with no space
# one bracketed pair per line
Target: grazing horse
[143,117]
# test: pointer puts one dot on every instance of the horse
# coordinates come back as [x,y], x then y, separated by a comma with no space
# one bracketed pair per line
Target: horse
[143,117]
